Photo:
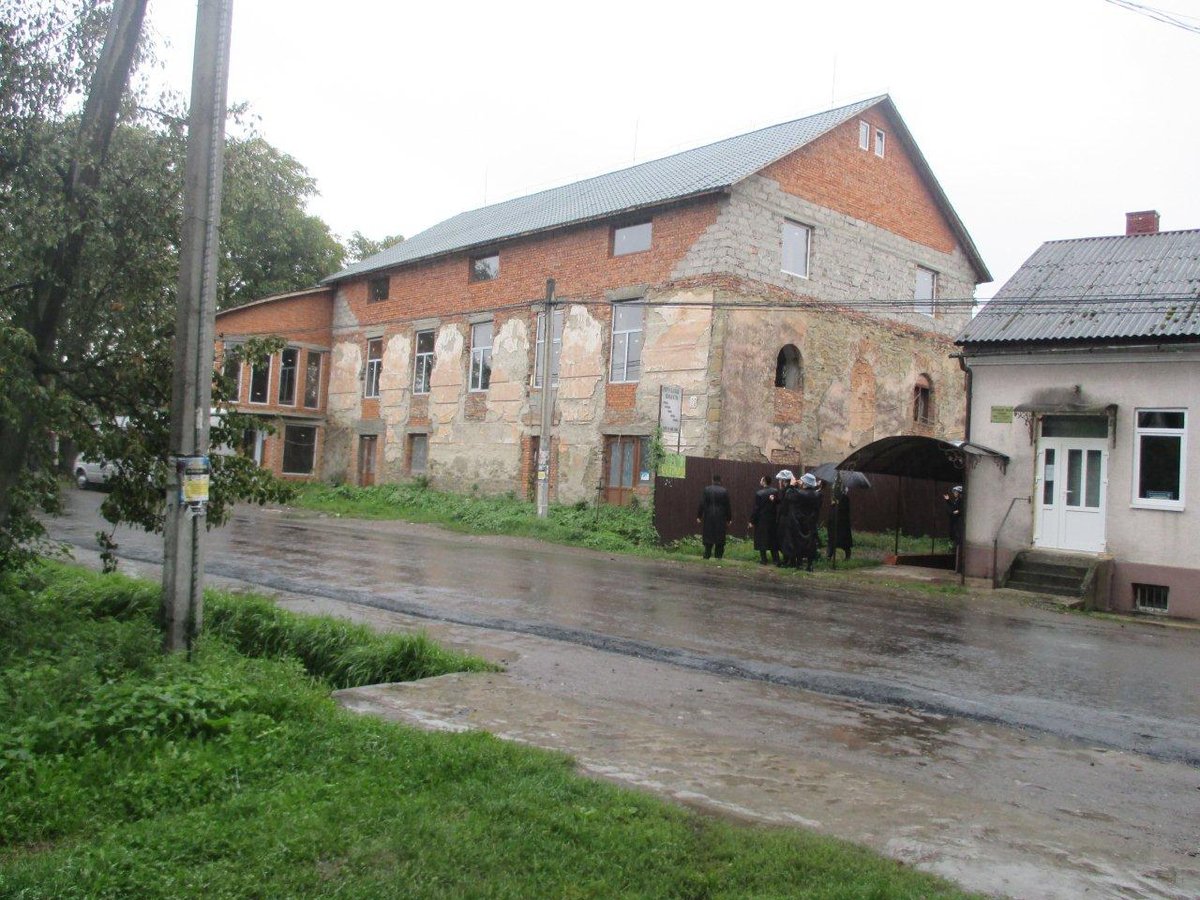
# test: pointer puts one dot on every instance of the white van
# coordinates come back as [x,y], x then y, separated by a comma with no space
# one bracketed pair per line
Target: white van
[89,472]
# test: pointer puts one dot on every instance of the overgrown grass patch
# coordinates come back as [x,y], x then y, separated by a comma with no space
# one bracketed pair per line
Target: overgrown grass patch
[237,776]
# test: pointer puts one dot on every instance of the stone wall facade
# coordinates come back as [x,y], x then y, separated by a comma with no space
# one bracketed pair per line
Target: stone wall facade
[718,308]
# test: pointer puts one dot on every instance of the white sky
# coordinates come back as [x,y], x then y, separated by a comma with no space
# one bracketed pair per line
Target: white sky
[1042,119]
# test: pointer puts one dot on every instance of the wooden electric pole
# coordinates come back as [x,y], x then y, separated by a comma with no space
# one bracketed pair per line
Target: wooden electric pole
[547,355]
[191,389]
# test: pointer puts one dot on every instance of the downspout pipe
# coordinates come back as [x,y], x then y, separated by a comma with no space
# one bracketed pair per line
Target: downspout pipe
[968,378]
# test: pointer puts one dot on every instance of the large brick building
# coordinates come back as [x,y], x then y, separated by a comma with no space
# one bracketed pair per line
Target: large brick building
[788,280]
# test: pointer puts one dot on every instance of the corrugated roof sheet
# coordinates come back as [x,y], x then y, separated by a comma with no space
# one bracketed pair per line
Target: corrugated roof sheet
[690,173]
[1102,288]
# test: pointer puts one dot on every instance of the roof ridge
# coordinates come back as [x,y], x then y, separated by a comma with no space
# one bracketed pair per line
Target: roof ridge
[871,101]
[1109,237]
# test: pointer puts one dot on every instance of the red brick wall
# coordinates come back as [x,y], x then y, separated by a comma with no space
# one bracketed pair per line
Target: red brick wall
[578,258]
[306,317]
[888,192]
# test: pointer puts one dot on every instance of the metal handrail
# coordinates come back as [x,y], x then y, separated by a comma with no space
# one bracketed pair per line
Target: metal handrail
[996,538]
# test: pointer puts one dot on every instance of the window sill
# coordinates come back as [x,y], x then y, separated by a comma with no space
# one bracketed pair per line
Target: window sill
[794,274]
[1161,507]
[636,381]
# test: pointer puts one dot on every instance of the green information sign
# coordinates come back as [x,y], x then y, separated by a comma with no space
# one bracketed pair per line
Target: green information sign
[673,465]
[1002,415]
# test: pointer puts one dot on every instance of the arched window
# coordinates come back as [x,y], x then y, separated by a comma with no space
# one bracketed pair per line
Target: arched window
[789,369]
[923,400]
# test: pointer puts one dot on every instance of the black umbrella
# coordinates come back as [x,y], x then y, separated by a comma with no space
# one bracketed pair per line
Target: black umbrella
[850,480]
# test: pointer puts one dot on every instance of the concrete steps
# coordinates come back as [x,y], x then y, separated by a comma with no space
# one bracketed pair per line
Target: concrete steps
[1040,572]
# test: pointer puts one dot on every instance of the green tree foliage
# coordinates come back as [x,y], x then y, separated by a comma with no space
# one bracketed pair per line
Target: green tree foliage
[89,237]
[360,247]
[269,244]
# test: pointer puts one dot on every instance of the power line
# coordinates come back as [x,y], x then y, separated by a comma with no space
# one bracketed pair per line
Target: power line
[1160,15]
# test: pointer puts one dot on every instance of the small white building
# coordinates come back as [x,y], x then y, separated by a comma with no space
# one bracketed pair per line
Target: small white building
[1085,370]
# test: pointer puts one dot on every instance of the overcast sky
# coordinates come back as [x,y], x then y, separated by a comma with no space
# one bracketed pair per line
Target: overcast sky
[1042,119]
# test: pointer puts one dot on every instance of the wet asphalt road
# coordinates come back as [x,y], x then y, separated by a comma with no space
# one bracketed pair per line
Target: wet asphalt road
[1125,686]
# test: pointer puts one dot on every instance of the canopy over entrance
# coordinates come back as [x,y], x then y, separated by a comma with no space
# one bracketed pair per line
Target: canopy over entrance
[916,456]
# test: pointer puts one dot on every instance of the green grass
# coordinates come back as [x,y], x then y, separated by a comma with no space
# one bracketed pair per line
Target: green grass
[124,773]
[599,527]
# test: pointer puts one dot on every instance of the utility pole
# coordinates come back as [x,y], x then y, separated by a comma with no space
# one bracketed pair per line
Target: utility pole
[191,389]
[543,461]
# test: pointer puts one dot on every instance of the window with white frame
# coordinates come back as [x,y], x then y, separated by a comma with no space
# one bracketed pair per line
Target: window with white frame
[864,135]
[1159,457]
[260,380]
[626,361]
[481,356]
[796,239]
[423,360]
[925,291]
[555,347]
[880,141]
[233,372]
[632,238]
[289,359]
[374,367]
[312,380]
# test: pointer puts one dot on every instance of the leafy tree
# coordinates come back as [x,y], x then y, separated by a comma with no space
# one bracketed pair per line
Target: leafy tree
[359,246]
[269,244]
[90,207]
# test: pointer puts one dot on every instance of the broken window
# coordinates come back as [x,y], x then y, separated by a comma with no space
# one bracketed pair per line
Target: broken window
[377,289]
[789,369]
[423,366]
[485,268]
[923,400]
[312,380]
[299,449]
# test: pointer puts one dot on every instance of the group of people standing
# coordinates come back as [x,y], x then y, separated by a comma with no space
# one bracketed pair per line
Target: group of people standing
[785,520]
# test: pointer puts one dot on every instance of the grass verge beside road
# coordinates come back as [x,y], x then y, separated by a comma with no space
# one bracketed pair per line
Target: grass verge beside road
[127,773]
[599,527]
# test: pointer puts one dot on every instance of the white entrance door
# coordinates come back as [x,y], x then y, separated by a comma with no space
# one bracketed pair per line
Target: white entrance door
[1072,481]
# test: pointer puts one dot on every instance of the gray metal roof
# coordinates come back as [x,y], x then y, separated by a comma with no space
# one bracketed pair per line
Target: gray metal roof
[1102,288]
[691,173]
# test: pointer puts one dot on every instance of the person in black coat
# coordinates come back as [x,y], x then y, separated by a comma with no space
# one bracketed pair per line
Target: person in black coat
[764,521]
[806,509]
[714,514]
[838,523]
[954,510]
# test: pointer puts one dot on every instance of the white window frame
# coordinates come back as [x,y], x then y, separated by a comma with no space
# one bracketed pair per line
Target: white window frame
[481,354]
[1138,434]
[267,364]
[628,333]
[633,229]
[925,305]
[880,142]
[421,355]
[555,347]
[864,135]
[295,375]
[796,227]
[374,371]
[320,358]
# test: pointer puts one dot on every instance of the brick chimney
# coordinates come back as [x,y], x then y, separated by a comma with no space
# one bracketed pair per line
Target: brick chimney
[1144,222]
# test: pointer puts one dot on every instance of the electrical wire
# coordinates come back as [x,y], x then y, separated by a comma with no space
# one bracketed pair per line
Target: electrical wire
[1160,15]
